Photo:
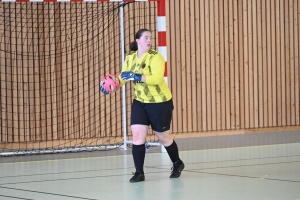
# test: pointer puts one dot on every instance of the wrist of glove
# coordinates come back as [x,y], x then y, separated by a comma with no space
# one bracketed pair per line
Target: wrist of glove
[102,89]
[130,76]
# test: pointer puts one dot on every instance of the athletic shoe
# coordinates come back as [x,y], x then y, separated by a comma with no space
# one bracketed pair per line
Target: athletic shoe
[176,170]
[138,177]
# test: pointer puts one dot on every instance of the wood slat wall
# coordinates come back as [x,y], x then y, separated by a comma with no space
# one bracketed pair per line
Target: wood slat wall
[52,58]
[234,64]
[50,72]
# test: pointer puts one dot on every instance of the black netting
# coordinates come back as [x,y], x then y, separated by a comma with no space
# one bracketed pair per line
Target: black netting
[52,58]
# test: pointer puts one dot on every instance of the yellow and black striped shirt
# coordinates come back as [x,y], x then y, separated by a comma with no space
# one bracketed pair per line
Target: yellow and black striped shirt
[151,65]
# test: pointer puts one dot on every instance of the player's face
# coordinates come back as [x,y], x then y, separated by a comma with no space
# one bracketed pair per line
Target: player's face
[145,41]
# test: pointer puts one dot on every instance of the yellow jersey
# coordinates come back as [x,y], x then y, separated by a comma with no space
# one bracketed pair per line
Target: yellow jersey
[151,65]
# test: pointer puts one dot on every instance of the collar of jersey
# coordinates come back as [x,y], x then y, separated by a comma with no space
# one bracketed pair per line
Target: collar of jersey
[142,56]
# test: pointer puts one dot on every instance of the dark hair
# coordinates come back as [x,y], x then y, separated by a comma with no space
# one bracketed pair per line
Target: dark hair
[133,46]
[140,32]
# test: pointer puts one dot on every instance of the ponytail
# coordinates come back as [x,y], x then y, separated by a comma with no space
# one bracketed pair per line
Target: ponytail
[133,46]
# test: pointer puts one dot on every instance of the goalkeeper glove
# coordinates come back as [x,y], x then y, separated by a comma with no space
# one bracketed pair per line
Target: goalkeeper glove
[130,76]
[102,89]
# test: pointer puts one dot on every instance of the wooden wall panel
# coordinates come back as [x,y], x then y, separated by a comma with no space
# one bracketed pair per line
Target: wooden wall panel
[202,67]
[246,65]
[232,64]
[194,35]
[297,54]
[236,65]
[3,84]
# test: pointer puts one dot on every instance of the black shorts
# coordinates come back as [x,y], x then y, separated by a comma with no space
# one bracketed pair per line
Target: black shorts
[158,115]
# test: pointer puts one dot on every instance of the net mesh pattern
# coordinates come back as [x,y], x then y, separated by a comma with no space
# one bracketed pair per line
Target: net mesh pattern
[52,59]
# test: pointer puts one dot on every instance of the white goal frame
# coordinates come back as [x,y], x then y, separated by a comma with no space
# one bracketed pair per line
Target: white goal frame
[162,48]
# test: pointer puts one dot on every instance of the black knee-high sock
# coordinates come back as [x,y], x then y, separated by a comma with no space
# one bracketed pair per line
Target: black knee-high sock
[138,153]
[173,153]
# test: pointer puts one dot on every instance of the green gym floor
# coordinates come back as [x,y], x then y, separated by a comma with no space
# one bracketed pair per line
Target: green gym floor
[258,166]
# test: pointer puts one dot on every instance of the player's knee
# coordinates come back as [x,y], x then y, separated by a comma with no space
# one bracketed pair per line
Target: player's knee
[138,138]
[164,138]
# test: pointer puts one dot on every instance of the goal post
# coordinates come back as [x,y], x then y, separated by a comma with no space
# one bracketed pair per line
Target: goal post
[162,48]
[53,54]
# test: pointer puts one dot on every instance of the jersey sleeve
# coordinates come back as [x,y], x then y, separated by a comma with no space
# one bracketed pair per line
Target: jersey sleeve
[124,68]
[157,66]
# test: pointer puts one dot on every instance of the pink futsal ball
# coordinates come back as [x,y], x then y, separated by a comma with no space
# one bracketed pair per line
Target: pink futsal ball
[111,82]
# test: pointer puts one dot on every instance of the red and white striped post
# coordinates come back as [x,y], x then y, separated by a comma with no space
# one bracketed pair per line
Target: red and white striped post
[162,39]
[162,33]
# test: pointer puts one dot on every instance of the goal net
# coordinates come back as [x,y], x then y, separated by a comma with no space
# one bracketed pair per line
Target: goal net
[52,59]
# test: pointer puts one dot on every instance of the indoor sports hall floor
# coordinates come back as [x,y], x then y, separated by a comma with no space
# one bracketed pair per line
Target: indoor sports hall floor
[258,166]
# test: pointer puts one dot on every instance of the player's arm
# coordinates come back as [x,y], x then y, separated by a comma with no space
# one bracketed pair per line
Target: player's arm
[158,69]
[124,68]
[127,75]
[122,82]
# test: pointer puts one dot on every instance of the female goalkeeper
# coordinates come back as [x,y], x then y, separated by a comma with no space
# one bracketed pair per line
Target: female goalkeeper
[152,104]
